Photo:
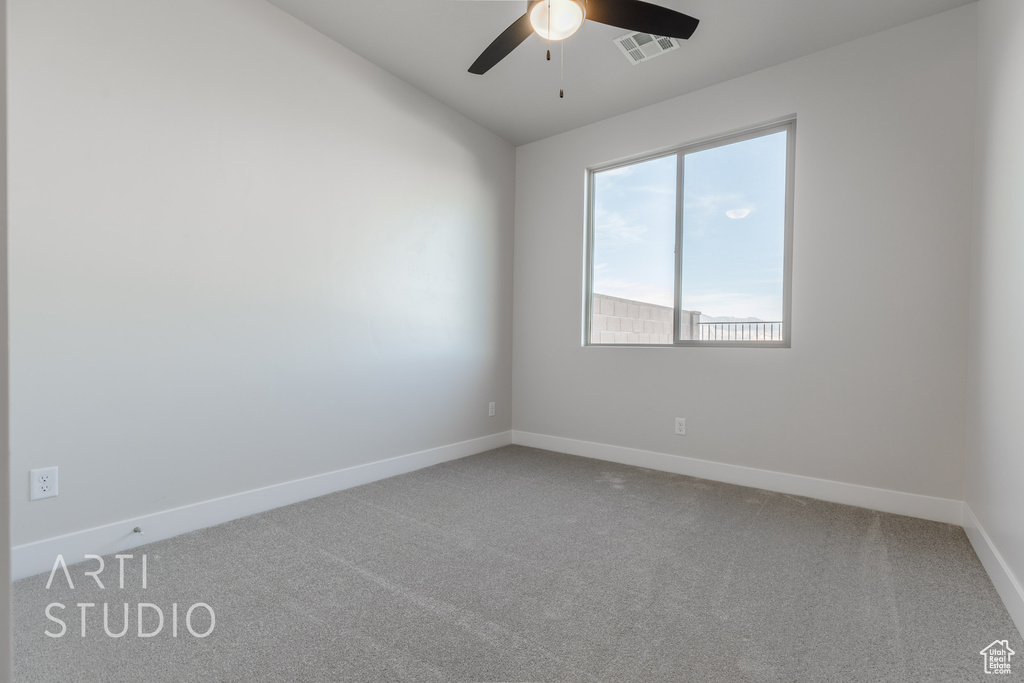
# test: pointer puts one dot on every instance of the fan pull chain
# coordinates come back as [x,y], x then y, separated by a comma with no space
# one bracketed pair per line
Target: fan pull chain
[549,30]
[561,76]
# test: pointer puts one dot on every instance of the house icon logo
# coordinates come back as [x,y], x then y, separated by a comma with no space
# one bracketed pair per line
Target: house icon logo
[997,657]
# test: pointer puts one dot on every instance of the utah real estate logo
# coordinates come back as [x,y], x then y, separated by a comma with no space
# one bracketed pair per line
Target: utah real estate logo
[997,657]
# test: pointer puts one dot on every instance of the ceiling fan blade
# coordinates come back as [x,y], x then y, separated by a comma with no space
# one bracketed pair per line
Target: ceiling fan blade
[636,15]
[509,40]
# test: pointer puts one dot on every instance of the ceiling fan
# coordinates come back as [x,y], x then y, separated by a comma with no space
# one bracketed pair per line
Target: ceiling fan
[559,19]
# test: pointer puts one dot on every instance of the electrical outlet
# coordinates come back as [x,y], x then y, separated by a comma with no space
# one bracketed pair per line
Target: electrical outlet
[490,409]
[681,426]
[42,483]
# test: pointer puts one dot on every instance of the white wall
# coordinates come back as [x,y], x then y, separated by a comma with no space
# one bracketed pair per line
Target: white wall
[240,255]
[995,466]
[5,510]
[884,161]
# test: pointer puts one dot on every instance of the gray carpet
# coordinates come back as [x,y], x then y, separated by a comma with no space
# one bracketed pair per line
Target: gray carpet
[525,565]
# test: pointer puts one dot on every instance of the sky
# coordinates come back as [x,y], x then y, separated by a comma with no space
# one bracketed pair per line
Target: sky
[733,230]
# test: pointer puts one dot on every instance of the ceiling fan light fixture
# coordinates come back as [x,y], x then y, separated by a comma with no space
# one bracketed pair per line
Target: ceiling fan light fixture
[566,18]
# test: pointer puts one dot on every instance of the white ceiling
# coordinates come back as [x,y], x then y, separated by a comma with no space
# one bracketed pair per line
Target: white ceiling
[431,43]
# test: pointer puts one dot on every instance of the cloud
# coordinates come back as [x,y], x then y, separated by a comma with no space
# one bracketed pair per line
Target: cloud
[614,229]
[620,172]
[735,305]
[711,203]
[637,291]
[656,189]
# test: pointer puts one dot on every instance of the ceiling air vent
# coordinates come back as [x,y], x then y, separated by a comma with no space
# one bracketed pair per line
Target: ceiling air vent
[640,47]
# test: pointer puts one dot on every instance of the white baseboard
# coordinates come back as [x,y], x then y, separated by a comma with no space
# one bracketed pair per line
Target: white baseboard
[884,500]
[1007,585]
[38,557]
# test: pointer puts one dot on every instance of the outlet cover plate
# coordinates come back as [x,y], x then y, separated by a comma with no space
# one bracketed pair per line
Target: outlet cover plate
[42,483]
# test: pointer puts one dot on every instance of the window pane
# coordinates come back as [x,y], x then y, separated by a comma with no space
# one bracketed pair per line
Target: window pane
[734,230]
[634,253]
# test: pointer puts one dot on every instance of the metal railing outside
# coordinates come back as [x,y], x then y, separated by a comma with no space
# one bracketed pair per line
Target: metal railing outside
[741,331]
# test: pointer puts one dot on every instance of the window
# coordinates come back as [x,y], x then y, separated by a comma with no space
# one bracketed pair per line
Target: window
[692,247]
